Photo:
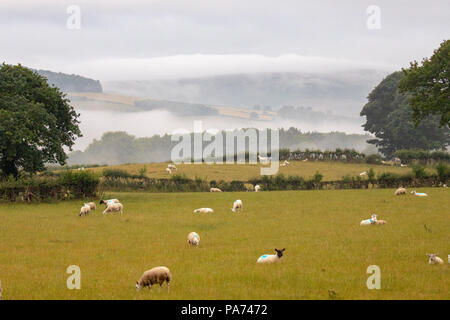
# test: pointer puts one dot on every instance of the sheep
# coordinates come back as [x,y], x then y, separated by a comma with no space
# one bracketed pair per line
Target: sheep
[168,170]
[110,201]
[215,190]
[380,221]
[400,191]
[193,239]
[363,174]
[434,259]
[171,166]
[85,209]
[204,210]
[114,207]
[372,220]
[153,276]
[271,258]
[419,194]
[264,159]
[284,164]
[248,187]
[257,188]
[304,160]
[237,206]
[92,205]
[403,165]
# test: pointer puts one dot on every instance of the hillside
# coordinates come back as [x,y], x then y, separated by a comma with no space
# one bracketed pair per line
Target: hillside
[71,82]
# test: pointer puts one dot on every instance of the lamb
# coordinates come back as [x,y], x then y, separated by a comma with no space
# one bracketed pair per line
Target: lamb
[85,209]
[153,276]
[110,201]
[372,220]
[257,188]
[114,207]
[434,259]
[92,205]
[400,191]
[193,239]
[237,206]
[168,170]
[215,190]
[204,210]
[419,194]
[271,258]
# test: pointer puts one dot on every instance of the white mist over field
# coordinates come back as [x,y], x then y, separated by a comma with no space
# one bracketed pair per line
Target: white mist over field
[145,124]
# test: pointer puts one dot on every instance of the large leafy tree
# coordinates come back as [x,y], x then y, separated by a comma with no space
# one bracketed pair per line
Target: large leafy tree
[429,86]
[389,118]
[36,121]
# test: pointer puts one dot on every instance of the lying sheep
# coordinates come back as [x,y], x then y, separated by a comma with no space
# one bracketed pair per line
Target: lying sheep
[363,174]
[372,220]
[153,276]
[85,209]
[92,205]
[419,194]
[434,259]
[284,164]
[215,190]
[271,258]
[204,210]
[110,201]
[193,239]
[114,207]
[400,191]
[257,188]
[237,206]
[380,221]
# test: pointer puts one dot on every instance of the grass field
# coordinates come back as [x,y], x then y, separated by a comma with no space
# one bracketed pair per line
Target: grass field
[330,170]
[326,248]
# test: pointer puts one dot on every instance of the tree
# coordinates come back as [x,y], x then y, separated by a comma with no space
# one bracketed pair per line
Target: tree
[429,86]
[389,118]
[36,121]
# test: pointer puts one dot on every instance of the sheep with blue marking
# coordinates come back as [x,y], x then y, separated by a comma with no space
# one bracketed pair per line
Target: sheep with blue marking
[271,258]
[193,239]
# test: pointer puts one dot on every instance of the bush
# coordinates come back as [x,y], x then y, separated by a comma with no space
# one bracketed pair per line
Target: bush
[419,171]
[443,172]
[374,159]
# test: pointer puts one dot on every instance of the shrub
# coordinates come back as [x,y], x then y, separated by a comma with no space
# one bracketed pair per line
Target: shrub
[419,171]
[443,171]
[373,159]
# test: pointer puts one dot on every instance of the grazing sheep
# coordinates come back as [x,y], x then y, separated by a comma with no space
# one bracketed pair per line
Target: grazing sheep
[419,194]
[400,191]
[372,220]
[153,276]
[215,190]
[92,205]
[434,259]
[168,170]
[237,206]
[271,258]
[204,210]
[110,201]
[114,207]
[257,188]
[85,209]
[193,239]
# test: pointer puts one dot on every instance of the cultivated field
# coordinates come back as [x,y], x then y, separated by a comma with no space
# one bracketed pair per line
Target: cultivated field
[243,172]
[326,248]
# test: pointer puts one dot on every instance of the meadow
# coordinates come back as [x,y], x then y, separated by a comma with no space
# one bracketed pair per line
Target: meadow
[326,248]
[330,170]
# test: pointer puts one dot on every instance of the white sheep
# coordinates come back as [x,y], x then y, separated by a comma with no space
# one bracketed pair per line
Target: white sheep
[400,191]
[271,258]
[193,239]
[168,170]
[363,174]
[114,207]
[372,220]
[92,205]
[419,194]
[257,188]
[215,190]
[110,201]
[172,167]
[434,259]
[237,206]
[204,210]
[304,160]
[85,209]
[284,164]
[264,159]
[155,275]
[403,165]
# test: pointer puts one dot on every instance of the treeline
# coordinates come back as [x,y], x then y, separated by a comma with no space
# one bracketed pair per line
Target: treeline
[119,147]
[71,82]
[422,156]
[177,108]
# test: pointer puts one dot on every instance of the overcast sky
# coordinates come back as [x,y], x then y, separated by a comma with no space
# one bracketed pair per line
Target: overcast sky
[123,40]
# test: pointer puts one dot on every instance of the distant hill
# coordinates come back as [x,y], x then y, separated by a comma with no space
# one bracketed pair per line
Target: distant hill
[71,82]
[341,93]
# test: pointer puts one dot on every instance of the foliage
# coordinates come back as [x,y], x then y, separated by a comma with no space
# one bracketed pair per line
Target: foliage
[422,156]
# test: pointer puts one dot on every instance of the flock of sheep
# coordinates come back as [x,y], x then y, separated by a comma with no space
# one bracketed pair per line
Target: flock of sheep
[161,274]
